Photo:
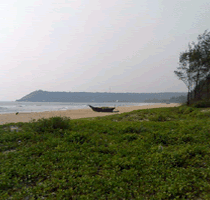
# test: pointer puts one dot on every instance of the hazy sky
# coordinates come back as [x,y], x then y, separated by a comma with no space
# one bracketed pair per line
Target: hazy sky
[96,45]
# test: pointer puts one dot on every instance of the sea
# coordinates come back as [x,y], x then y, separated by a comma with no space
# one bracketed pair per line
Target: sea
[27,107]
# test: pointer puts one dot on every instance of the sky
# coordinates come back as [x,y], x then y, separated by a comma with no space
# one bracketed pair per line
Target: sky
[96,45]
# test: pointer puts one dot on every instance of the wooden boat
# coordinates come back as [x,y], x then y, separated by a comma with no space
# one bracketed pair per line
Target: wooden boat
[102,109]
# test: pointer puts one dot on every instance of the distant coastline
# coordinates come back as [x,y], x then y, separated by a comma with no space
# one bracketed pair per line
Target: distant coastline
[45,96]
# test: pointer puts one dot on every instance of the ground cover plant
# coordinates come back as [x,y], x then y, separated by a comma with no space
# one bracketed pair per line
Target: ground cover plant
[161,153]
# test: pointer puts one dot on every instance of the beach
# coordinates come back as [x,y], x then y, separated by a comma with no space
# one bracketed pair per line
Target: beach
[73,114]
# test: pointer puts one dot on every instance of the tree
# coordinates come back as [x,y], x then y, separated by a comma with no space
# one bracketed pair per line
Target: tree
[204,49]
[199,57]
[194,66]
[185,75]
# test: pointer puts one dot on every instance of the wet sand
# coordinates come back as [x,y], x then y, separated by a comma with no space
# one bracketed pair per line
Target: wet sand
[73,114]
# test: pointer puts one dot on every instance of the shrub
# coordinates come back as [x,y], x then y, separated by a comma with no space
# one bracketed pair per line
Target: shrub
[130,137]
[51,124]
[162,138]
[187,138]
[76,138]
[188,110]
[182,109]
[135,129]
[158,118]
[202,104]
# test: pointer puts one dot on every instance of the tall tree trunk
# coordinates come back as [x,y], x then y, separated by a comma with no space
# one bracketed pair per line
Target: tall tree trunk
[195,93]
[197,90]
[188,97]
[207,87]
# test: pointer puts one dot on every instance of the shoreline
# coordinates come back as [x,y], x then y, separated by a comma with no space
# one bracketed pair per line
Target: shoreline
[73,114]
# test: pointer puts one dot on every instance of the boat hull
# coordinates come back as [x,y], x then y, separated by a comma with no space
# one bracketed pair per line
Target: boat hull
[101,109]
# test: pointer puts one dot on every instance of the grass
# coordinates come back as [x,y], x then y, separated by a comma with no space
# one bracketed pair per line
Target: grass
[161,153]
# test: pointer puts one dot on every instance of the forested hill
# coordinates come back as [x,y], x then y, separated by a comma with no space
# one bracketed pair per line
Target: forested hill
[45,96]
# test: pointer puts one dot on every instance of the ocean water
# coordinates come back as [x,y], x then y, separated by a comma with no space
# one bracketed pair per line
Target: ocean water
[25,107]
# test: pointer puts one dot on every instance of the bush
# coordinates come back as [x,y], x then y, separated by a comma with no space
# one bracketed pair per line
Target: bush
[182,109]
[202,104]
[76,138]
[158,118]
[134,129]
[188,110]
[51,124]
[185,109]
[130,137]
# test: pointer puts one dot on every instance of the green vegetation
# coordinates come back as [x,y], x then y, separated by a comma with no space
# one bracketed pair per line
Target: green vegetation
[202,104]
[194,69]
[160,153]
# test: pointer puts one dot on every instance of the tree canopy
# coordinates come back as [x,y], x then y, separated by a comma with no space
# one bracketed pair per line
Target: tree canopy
[194,65]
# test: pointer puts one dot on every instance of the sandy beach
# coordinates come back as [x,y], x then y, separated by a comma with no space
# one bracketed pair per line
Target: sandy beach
[73,114]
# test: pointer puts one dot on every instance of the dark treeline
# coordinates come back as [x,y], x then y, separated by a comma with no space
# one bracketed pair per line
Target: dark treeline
[178,99]
[45,96]
[194,69]
[201,91]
